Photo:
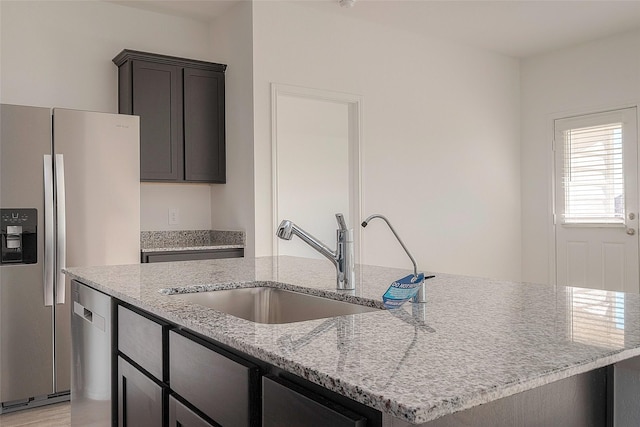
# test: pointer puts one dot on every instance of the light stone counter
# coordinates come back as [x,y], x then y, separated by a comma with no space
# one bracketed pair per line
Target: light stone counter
[189,248]
[190,240]
[476,340]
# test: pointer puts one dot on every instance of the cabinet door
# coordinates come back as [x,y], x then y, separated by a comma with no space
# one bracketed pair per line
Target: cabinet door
[181,416]
[157,99]
[139,398]
[285,404]
[204,131]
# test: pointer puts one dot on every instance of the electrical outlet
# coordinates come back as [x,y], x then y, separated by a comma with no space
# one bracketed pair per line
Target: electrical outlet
[174,216]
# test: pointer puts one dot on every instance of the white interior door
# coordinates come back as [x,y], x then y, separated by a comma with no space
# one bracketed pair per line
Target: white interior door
[596,201]
[316,164]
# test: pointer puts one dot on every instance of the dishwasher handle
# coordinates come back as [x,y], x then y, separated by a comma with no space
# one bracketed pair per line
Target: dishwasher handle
[93,318]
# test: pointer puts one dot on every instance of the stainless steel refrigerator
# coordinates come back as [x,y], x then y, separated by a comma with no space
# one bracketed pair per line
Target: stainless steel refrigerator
[69,196]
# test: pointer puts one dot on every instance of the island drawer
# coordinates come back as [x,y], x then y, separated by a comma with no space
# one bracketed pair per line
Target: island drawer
[285,403]
[144,341]
[180,415]
[221,385]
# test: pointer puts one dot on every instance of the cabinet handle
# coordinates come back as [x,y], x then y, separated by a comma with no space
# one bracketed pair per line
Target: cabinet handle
[124,402]
[90,316]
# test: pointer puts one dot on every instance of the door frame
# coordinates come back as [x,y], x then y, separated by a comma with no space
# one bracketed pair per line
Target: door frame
[355,108]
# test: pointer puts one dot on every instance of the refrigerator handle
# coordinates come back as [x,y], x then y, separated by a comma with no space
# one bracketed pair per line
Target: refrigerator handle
[61,249]
[48,231]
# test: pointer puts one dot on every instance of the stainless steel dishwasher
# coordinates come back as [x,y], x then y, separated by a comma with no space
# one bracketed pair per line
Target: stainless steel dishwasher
[91,392]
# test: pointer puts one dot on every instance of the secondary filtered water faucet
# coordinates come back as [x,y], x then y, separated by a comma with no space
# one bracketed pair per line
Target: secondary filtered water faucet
[421,296]
[342,257]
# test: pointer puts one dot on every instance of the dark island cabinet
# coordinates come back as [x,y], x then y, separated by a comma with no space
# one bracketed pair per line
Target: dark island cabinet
[181,415]
[168,376]
[140,400]
[221,385]
[181,104]
[286,404]
[142,368]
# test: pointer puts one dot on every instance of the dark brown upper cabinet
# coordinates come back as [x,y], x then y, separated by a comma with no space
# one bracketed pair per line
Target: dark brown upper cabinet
[181,107]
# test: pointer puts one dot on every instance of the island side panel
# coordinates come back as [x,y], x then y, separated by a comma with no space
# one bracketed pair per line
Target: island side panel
[578,401]
[626,393]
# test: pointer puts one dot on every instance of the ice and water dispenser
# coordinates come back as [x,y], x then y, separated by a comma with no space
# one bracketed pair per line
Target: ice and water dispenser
[18,229]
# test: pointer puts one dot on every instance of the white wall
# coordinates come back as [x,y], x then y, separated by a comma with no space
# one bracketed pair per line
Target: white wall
[58,53]
[232,204]
[441,154]
[591,77]
[192,201]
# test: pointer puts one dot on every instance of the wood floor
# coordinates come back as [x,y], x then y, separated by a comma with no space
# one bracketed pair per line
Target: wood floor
[57,415]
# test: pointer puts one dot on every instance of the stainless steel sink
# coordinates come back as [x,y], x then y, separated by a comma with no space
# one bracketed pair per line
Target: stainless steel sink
[273,305]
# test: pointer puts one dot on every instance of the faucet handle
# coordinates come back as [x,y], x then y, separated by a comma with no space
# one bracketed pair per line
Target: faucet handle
[342,225]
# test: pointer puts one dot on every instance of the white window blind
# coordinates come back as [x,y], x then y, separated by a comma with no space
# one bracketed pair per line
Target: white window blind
[593,174]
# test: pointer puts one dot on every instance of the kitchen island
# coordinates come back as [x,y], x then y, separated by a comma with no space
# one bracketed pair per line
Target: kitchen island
[475,342]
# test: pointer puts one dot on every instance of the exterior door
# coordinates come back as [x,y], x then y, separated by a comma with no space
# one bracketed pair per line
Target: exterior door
[596,201]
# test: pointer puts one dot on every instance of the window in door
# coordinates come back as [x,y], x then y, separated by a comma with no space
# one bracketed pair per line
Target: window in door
[593,178]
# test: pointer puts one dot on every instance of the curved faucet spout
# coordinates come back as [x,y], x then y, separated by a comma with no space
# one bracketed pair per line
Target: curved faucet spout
[384,218]
[421,296]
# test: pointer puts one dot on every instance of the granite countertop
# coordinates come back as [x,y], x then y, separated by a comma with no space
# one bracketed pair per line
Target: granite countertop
[190,240]
[189,248]
[474,341]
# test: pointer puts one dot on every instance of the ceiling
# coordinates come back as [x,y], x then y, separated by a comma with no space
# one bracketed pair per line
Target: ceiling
[511,27]
[201,10]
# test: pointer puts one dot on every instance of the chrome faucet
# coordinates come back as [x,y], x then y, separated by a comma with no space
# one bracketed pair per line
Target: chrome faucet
[342,257]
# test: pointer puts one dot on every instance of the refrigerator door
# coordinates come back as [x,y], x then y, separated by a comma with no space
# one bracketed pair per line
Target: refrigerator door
[101,157]
[26,339]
